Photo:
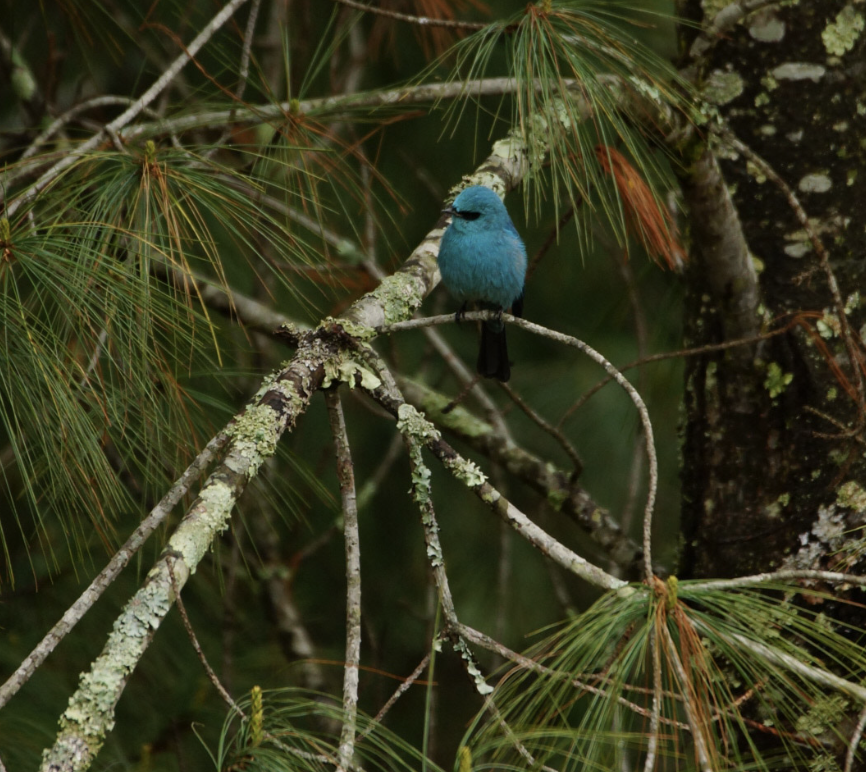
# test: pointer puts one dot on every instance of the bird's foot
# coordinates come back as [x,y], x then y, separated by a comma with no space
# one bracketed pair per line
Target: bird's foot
[461,312]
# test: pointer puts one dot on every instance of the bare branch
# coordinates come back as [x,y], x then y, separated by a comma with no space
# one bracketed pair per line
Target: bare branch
[108,574]
[655,716]
[701,743]
[775,576]
[212,676]
[346,475]
[854,742]
[422,21]
[283,397]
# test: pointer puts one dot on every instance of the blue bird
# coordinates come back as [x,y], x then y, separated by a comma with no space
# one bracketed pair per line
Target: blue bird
[482,260]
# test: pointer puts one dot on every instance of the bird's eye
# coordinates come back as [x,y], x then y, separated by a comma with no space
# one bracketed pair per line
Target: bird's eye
[470,215]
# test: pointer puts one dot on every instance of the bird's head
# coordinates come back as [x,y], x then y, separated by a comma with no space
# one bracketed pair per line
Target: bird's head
[476,209]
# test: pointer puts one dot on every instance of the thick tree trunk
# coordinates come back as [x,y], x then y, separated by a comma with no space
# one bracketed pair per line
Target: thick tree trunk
[773,454]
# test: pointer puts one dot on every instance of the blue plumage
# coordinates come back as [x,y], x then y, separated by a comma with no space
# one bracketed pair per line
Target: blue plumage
[482,260]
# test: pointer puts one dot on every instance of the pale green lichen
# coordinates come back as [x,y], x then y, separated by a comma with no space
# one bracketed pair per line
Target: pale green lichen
[254,436]
[480,684]
[414,423]
[360,331]
[767,28]
[824,762]
[209,517]
[828,325]
[818,182]
[774,510]
[556,497]
[756,172]
[420,481]
[769,83]
[398,296]
[647,90]
[799,71]
[841,35]
[722,87]
[344,369]
[712,7]
[776,381]
[469,472]
[89,716]
[825,716]
[852,496]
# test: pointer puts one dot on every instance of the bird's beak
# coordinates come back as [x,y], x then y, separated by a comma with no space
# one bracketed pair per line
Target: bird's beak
[449,210]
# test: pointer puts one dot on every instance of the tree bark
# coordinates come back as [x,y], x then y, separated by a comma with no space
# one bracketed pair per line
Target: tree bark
[773,457]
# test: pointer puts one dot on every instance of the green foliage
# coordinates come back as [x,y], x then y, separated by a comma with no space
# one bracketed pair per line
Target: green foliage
[743,665]
[297,733]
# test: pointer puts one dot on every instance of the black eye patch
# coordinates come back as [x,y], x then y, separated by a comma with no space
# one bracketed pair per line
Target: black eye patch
[468,215]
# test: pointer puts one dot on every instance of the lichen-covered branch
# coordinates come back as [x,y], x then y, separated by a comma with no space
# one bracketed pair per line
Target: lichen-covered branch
[413,423]
[553,483]
[346,476]
[108,574]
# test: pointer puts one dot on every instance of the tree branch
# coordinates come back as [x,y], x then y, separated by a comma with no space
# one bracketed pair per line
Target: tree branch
[108,574]
[346,476]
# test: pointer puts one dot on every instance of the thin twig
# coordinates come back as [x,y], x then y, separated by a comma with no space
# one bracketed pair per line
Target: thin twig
[398,97]
[117,563]
[701,744]
[655,715]
[346,475]
[411,422]
[554,484]
[854,743]
[792,664]
[423,21]
[545,426]
[773,576]
[59,122]
[486,642]
[551,238]
[249,34]
[398,693]
[686,352]
[375,480]
[243,74]
[227,698]
[470,381]
[640,330]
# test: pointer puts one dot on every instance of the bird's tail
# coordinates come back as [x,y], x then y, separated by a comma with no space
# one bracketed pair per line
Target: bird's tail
[493,354]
